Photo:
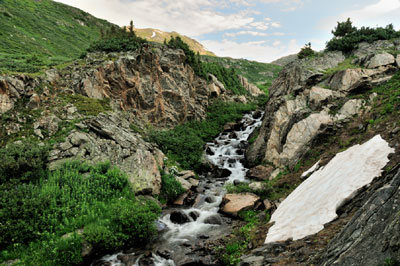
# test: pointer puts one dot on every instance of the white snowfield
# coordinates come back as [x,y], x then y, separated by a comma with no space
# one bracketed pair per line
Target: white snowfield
[314,203]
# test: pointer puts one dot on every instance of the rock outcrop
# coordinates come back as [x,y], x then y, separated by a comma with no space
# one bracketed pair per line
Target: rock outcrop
[107,137]
[305,102]
[251,88]
[373,234]
[156,84]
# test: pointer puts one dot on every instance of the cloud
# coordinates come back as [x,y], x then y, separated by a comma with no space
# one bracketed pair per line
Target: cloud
[189,17]
[288,5]
[380,13]
[258,51]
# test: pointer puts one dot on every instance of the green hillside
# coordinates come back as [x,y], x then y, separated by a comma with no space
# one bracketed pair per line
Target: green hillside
[260,74]
[154,35]
[38,33]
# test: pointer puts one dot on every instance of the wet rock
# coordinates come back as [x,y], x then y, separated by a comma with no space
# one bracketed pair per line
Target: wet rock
[260,172]
[234,203]
[194,215]
[224,173]
[127,259]
[209,151]
[209,199]
[146,262]
[184,183]
[180,201]
[179,217]
[102,263]
[236,182]
[215,219]
[257,114]
[161,227]
[194,182]
[229,126]
[164,253]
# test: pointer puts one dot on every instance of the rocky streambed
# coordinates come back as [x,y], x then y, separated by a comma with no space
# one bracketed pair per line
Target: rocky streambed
[184,229]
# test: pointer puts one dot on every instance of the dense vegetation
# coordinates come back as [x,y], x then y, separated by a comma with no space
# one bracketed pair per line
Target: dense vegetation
[117,39]
[38,34]
[348,37]
[260,74]
[227,76]
[44,220]
[185,143]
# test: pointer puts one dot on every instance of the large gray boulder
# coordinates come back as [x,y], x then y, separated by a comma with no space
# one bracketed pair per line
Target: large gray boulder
[382,59]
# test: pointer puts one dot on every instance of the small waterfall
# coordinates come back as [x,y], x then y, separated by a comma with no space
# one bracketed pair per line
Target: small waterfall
[227,153]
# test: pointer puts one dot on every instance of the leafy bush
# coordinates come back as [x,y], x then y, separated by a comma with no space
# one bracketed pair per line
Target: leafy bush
[23,162]
[185,142]
[350,40]
[97,198]
[306,51]
[170,188]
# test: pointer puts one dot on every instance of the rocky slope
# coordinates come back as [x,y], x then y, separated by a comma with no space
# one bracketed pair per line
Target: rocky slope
[319,107]
[306,101]
[97,106]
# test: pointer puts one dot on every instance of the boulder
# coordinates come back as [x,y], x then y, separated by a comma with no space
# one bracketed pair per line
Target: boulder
[214,219]
[256,186]
[382,59]
[260,172]
[319,95]
[184,183]
[398,61]
[350,108]
[232,204]
[301,135]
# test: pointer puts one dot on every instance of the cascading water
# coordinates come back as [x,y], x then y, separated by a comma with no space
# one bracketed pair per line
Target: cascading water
[202,219]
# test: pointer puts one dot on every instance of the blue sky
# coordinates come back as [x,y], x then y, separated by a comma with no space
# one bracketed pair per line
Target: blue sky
[261,30]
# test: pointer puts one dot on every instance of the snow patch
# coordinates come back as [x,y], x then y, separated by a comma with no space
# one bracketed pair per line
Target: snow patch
[154,34]
[314,203]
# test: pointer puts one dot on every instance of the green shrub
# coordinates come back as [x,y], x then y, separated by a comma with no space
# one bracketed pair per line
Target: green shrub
[97,198]
[23,162]
[344,28]
[306,52]
[170,187]
[352,38]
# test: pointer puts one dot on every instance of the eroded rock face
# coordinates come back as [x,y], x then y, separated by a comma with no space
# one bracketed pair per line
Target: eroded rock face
[155,83]
[251,88]
[109,139]
[232,204]
[373,234]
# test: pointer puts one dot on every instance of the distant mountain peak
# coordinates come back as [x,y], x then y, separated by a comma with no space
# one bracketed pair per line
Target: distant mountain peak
[159,36]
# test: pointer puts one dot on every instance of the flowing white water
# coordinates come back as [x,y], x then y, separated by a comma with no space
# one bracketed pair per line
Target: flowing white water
[225,152]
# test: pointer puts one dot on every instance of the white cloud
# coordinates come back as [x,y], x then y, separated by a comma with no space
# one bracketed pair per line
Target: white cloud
[188,17]
[276,25]
[380,13]
[258,51]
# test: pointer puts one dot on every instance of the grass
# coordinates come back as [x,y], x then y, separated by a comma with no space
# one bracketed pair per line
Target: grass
[346,64]
[38,34]
[87,106]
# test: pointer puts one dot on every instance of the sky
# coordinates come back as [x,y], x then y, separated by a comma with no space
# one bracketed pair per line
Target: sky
[260,30]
